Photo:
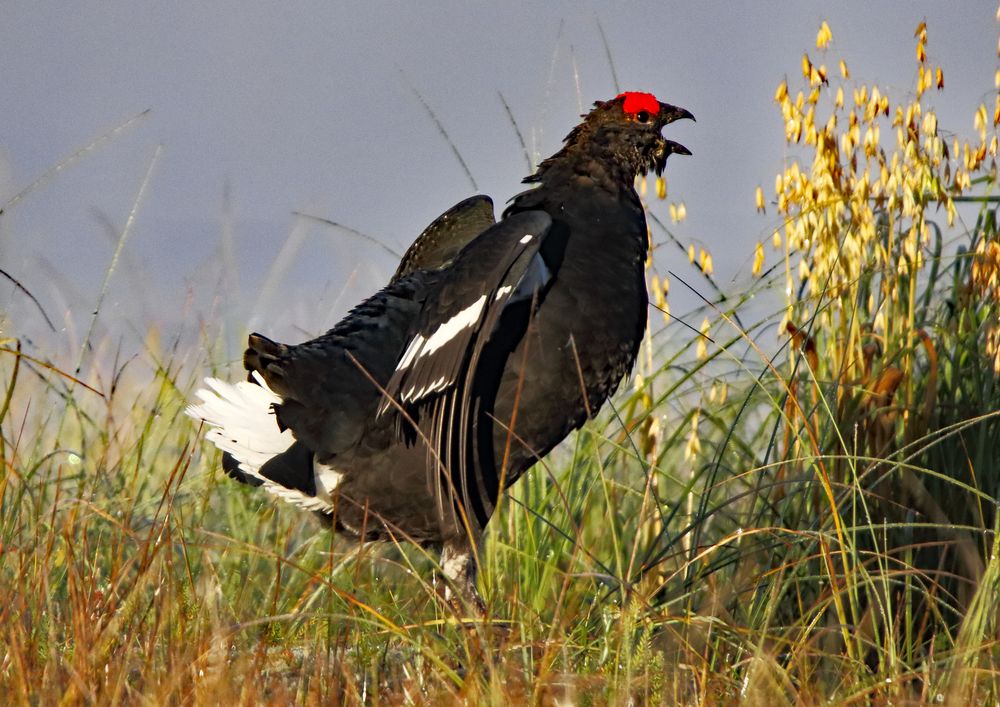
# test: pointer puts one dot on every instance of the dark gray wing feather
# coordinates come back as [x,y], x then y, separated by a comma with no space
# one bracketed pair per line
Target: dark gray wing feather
[436,379]
[440,242]
[460,315]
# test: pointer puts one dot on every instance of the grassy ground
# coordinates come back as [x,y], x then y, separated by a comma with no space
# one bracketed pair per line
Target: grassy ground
[790,527]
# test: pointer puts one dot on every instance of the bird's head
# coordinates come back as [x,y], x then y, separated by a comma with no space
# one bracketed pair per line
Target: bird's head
[624,134]
[631,124]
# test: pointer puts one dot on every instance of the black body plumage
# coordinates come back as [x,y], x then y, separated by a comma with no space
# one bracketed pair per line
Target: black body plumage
[490,344]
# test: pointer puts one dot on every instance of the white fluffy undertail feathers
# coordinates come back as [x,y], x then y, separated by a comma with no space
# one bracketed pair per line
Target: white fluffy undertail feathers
[241,422]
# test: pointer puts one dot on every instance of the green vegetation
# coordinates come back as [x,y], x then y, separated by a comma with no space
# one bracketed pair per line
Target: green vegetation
[803,526]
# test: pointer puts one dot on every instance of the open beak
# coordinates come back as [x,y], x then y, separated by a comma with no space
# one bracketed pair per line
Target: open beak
[668,115]
[671,113]
[675,148]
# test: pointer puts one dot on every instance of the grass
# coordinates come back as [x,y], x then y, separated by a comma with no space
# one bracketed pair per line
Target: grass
[800,526]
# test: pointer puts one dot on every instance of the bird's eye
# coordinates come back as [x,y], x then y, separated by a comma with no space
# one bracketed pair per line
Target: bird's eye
[642,116]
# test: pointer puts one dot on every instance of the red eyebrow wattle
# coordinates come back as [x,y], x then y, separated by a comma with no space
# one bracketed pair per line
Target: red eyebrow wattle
[636,101]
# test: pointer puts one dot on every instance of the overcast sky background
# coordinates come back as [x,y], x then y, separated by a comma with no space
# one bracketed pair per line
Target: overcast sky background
[309,107]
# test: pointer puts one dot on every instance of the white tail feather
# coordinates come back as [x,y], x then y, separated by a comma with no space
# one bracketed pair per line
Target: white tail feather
[297,498]
[242,423]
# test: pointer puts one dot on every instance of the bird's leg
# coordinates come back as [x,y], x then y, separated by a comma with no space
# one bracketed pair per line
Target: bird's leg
[458,565]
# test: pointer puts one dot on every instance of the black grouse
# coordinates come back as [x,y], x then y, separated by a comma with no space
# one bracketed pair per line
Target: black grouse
[491,343]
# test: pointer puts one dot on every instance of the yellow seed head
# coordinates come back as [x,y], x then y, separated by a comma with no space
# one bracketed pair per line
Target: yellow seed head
[693,447]
[824,36]
[979,121]
[703,339]
[758,259]
[930,123]
[658,299]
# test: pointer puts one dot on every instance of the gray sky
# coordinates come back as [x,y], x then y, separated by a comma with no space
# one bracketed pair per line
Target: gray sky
[307,106]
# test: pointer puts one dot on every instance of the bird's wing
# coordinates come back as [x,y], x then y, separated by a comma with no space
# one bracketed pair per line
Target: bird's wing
[439,380]
[330,384]
[450,232]
[501,266]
